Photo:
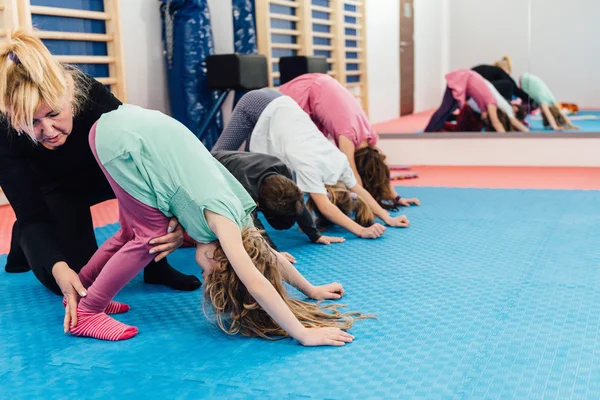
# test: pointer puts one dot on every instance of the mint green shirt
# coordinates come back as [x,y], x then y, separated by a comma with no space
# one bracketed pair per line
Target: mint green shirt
[537,89]
[159,162]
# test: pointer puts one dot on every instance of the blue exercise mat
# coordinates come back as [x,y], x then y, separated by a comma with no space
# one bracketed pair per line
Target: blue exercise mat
[490,294]
[587,121]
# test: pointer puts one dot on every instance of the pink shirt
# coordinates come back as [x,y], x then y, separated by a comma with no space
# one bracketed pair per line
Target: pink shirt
[465,83]
[331,107]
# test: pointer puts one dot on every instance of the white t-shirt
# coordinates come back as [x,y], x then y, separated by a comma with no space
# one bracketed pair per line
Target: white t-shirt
[502,103]
[285,131]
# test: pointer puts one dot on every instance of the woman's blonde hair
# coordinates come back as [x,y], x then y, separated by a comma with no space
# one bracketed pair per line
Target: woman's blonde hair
[505,61]
[29,76]
[348,202]
[237,311]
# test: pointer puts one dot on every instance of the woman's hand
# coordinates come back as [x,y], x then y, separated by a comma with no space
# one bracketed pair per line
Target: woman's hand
[168,243]
[71,288]
[332,291]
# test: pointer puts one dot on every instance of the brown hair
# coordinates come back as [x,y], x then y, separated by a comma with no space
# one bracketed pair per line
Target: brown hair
[558,117]
[521,112]
[375,175]
[346,201]
[279,195]
[237,311]
[29,75]
[502,117]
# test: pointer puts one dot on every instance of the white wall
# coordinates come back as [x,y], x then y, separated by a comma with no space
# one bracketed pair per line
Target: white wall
[383,59]
[431,35]
[483,31]
[144,61]
[565,51]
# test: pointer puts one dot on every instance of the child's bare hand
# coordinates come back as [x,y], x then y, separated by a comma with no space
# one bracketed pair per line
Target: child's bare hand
[408,202]
[332,291]
[400,221]
[372,232]
[330,239]
[288,257]
[325,337]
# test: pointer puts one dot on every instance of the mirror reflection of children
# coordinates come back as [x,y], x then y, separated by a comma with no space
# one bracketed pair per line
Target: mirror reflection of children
[552,115]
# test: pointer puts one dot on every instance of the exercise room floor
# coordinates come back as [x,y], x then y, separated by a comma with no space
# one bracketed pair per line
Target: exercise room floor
[494,292]
[587,120]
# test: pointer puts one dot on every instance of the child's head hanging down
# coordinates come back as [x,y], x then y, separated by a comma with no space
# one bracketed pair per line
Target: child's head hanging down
[348,202]
[375,175]
[235,309]
[281,201]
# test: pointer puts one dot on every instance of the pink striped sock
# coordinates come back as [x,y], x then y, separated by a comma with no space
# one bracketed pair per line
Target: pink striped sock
[101,326]
[114,307]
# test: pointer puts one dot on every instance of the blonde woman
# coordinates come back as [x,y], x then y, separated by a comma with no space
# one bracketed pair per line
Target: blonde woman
[50,176]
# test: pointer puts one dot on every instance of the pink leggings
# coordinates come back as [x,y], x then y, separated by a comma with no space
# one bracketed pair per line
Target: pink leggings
[126,253]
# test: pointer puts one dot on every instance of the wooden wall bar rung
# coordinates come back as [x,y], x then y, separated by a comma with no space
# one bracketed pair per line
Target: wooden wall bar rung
[288,46]
[285,3]
[327,10]
[85,59]
[291,32]
[88,37]
[284,17]
[69,13]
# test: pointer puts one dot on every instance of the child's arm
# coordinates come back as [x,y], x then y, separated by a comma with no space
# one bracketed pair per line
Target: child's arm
[493,113]
[264,293]
[400,221]
[347,147]
[550,117]
[292,276]
[567,120]
[307,225]
[333,214]
[518,125]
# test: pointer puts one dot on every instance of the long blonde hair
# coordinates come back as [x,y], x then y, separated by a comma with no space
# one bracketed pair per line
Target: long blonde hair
[235,309]
[348,203]
[29,75]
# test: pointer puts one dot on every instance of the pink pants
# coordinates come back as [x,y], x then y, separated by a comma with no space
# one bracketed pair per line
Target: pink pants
[126,253]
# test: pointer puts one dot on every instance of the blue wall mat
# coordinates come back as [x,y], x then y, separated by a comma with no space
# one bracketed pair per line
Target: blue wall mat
[69,47]
[244,26]
[491,294]
[188,40]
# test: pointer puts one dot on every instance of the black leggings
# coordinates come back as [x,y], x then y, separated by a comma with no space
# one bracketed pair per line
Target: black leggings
[69,204]
[442,114]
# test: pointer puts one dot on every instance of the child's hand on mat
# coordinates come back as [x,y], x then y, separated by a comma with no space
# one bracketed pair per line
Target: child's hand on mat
[168,243]
[408,202]
[71,288]
[372,232]
[401,221]
[288,257]
[325,337]
[330,239]
[332,291]
[574,128]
